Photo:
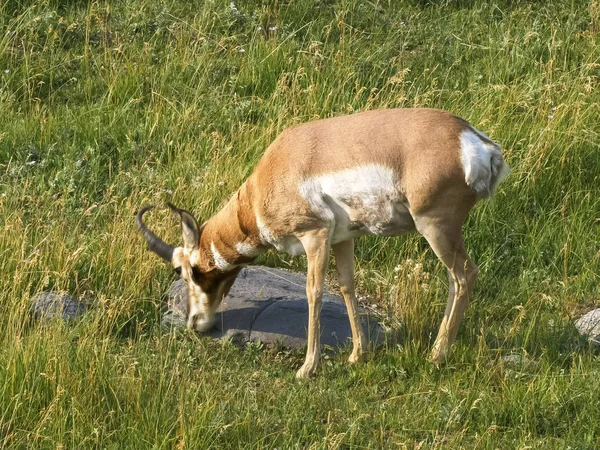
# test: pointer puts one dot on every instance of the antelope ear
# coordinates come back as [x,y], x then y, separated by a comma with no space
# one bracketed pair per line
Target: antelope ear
[189,227]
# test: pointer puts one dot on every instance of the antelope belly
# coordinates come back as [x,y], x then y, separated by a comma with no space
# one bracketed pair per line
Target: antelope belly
[359,201]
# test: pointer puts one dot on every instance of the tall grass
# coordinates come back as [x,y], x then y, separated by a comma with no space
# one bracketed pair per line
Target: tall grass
[106,106]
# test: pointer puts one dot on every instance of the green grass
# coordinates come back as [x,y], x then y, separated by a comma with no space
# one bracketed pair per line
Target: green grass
[107,106]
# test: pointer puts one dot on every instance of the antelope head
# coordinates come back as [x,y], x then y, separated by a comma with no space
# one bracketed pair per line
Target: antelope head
[206,283]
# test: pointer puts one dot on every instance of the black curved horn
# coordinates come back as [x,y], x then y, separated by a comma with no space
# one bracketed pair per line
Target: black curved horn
[155,244]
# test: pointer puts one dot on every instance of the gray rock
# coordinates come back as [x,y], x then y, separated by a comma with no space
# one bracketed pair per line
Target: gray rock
[519,360]
[589,326]
[48,305]
[269,305]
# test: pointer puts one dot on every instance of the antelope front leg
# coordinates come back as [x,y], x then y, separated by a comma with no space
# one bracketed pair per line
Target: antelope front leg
[316,245]
[344,259]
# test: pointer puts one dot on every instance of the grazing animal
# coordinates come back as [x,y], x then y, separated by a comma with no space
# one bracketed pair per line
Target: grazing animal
[321,184]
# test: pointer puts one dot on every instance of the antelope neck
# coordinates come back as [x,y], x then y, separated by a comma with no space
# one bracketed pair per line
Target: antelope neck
[231,236]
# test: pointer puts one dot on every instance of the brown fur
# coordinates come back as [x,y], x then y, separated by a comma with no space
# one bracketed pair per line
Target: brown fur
[422,147]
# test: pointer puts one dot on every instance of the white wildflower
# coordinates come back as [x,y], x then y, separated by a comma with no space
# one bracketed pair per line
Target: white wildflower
[233,9]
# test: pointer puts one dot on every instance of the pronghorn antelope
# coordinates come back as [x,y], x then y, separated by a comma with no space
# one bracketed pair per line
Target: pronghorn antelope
[321,184]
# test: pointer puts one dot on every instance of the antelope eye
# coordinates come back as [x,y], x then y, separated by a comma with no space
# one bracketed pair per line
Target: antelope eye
[196,274]
[177,270]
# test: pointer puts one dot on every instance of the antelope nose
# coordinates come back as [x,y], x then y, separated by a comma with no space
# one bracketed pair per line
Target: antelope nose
[201,322]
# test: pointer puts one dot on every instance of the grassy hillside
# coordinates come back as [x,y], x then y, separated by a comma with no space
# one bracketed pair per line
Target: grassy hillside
[107,106]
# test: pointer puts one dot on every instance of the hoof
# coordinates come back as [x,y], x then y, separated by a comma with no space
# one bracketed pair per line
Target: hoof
[356,357]
[438,357]
[305,372]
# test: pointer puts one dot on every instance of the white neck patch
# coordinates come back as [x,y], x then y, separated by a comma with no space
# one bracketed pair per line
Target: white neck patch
[220,261]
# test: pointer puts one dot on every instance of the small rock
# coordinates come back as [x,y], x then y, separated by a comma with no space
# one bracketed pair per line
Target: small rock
[519,360]
[48,305]
[176,314]
[589,326]
[269,305]
[173,320]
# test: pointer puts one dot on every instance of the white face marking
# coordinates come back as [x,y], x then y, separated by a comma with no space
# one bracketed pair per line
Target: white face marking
[193,258]
[246,249]
[366,199]
[201,314]
[178,257]
[200,317]
[220,262]
[480,160]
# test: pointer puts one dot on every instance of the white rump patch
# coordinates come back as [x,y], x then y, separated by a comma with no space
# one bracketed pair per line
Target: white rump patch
[482,162]
[220,262]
